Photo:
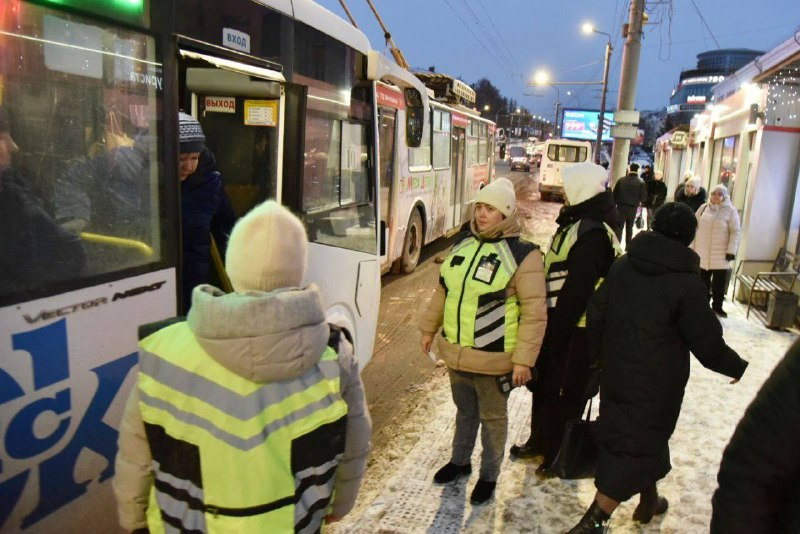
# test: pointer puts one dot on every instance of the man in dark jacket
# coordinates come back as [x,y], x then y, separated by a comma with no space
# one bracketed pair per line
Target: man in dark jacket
[656,195]
[580,253]
[206,209]
[630,194]
[649,313]
[759,477]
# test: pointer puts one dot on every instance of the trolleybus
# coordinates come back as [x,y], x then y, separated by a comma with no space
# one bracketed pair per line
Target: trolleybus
[426,191]
[89,242]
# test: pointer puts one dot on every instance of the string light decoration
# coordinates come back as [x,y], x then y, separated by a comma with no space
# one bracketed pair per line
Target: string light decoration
[783,96]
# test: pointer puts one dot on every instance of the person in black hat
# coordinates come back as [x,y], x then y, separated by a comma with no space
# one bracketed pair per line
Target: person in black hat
[205,207]
[35,250]
[644,319]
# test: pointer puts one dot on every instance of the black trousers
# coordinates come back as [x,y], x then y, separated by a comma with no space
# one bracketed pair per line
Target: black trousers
[628,214]
[716,281]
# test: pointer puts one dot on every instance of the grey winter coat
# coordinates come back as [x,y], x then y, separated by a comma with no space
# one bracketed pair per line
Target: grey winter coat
[263,337]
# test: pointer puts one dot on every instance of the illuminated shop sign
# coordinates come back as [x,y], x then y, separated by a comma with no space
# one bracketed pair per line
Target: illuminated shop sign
[702,79]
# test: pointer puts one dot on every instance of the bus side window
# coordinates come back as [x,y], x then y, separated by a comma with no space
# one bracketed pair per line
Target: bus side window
[415,118]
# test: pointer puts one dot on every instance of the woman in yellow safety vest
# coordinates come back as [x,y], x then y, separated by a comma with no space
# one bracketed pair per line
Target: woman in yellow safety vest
[490,304]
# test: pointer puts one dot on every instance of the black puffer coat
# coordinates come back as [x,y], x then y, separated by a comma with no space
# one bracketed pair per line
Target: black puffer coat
[205,210]
[649,313]
[759,477]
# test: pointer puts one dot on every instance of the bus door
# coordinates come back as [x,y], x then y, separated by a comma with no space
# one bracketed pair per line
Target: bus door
[387,127]
[457,186]
[240,109]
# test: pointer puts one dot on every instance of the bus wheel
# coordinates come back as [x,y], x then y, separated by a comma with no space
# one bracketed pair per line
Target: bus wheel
[412,244]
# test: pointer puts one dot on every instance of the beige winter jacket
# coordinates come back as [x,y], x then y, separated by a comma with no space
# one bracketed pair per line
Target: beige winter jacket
[718,232]
[264,337]
[528,284]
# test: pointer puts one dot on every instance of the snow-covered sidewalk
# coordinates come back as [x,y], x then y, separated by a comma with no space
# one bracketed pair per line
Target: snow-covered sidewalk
[398,495]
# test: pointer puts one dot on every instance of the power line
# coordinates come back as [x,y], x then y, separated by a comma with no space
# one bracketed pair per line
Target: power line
[705,23]
[499,35]
[473,34]
[491,40]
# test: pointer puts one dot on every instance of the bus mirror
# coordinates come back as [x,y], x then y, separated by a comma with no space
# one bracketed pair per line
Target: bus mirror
[414,124]
[415,117]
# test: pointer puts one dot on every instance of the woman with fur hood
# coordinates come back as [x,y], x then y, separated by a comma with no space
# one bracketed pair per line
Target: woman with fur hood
[717,237]
[490,304]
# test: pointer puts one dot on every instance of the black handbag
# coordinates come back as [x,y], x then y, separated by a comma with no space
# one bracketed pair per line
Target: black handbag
[577,455]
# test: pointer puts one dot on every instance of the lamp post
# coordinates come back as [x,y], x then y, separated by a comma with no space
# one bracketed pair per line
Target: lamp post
[542,78]
[588,28]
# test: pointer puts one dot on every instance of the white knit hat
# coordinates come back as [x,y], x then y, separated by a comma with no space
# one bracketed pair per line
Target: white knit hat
[268,249]
[582,181]
[500,195]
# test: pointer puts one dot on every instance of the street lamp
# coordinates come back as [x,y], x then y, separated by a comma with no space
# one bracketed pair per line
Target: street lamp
[543,78]
[589,28]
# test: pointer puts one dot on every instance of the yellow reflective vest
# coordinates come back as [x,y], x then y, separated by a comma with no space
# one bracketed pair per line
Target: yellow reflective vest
[232,455]
[477,312]
[555,260]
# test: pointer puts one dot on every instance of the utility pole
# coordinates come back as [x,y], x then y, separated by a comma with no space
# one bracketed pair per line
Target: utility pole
[627,84]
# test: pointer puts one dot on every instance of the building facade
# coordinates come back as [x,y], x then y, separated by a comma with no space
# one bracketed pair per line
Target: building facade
[694,90]
[749,140]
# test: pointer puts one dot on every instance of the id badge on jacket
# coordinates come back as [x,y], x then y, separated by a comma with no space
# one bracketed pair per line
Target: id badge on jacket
[487,269]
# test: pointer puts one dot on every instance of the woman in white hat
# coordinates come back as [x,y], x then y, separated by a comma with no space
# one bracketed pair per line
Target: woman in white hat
[718,231]
[491,306]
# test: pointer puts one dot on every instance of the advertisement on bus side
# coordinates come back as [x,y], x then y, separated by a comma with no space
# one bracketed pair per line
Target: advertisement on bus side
[68,363]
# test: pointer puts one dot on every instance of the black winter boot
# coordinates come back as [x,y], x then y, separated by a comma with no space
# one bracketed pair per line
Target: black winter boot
[650,504]
[483,491]
[526,451]
[594,521]
[451,472]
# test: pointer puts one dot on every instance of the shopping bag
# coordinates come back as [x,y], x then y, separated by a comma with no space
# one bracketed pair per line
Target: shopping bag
[577,456]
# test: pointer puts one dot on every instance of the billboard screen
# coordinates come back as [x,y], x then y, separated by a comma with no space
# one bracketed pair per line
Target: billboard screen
[582,124]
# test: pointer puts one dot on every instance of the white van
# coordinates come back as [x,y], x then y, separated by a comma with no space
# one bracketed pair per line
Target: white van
[558,154]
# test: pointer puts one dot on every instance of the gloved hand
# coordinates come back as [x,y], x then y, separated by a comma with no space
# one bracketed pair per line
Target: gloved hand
[730,257]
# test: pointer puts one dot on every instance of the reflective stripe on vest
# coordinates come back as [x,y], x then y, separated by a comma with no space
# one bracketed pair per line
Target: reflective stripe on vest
[555,261]
[231,455]
[476,312]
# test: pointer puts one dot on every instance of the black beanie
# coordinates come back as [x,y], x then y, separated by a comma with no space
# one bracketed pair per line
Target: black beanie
[191,134]
[675,220]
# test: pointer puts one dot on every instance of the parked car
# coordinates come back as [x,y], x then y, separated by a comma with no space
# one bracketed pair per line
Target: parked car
[519,158]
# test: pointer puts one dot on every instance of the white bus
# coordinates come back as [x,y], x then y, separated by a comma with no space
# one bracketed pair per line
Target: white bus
[556,155]
[286,94]
[426,191]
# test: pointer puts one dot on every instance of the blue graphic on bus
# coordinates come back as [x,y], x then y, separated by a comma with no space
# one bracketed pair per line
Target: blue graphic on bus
[49,359]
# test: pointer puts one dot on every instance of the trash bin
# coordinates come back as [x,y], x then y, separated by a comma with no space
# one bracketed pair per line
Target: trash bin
[781,309]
